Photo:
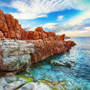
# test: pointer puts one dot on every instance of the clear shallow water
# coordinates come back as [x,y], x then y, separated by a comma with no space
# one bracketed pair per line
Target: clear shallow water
[78,76]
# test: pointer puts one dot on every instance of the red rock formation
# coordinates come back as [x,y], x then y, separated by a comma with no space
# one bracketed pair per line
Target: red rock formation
[12,29]
[46,43]
[9,26]
[1,36]
[39,33]
[48,47]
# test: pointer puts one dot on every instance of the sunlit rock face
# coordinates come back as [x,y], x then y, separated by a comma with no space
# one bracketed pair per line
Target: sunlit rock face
[15,55]
[9,26]
[46,43]
[45,48]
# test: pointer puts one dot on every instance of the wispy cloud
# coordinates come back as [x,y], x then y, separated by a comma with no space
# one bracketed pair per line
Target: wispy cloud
[72,31]
[51,26]
[80,29]
[29,28]
[31,9]
[75,33]
[87,28]
[78,19]
[60,18]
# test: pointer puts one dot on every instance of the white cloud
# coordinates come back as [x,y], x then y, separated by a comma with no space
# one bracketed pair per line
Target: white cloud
[60,18]
[32,29]
[31,9]
[78,19]
[72,31]
[75,33]
[29,28]
[87,28]
[50,26]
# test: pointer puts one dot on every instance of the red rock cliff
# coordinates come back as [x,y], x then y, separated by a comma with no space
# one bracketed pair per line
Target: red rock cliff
[46,43]
[9,26]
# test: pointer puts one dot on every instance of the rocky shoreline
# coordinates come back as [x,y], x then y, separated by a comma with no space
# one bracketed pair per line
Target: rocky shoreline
[20,48]
[20,82]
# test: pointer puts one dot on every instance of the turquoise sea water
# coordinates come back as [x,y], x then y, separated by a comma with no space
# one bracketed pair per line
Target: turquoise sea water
[76,77]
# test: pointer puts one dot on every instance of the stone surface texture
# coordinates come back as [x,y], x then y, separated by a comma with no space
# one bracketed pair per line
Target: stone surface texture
[48,44]
[7,84]
[15,55]
[16,47]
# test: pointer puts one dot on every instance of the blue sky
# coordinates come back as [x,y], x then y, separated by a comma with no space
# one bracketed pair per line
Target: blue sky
[71,17]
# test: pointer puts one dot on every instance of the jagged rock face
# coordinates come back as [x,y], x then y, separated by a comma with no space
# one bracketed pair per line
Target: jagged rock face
[15,55]
[9,26]
[39,33]
[48,47]
[1,36]
[46,43]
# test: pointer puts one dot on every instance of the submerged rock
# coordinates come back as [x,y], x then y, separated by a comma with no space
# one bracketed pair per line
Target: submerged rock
[63,63]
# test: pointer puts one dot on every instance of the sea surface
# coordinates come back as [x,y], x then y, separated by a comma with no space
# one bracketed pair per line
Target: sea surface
[78,77]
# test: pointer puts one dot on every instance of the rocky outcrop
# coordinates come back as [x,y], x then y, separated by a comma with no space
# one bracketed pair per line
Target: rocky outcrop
[15,55]
[9,26]
[48,44]
[63,63]
[46,48]
[18,52]
[26,83]
[39,33]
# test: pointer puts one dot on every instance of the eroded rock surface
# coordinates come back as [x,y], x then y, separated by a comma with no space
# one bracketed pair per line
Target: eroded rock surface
[15,55]
[11,51]
[24,83]
[49,44]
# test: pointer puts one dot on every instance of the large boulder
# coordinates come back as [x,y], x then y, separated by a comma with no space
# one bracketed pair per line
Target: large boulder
[15,55]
